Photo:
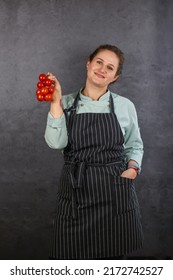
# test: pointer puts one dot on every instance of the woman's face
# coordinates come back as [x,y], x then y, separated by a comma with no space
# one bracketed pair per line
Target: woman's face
[101,71]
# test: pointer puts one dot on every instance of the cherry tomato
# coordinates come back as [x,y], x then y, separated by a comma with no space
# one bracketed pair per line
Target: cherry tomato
[48,82]
[48,97]
[40,97]
[38,91]
[51,89]
[40,85]
[42,77]
[44,90]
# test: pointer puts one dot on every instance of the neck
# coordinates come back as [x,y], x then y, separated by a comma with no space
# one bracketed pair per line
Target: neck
[93,92]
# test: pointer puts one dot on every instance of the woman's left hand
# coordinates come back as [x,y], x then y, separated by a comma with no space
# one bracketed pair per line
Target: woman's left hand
[129,173]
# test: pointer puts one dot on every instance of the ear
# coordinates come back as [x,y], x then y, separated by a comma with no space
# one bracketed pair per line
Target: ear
[115,79]
[88,62]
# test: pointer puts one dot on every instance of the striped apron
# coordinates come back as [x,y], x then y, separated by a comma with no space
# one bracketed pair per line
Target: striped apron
[97,210]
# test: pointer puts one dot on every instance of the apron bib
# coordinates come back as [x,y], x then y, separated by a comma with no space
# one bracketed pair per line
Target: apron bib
[97,210]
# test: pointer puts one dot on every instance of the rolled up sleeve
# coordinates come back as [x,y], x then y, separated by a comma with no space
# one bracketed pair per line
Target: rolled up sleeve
[56,132]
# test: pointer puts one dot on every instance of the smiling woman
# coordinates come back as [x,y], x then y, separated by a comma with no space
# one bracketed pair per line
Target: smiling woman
[101,71]
[97,208]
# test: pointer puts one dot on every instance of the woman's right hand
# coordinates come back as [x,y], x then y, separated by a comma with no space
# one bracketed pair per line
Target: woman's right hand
[57,95]
[56,109]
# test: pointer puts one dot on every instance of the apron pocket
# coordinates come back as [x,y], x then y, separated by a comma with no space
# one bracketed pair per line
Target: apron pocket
[124,197]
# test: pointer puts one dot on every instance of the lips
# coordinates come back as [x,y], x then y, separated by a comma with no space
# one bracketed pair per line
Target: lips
[99,75]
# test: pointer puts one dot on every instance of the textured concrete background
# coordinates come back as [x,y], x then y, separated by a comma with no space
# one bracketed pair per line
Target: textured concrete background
[51,35]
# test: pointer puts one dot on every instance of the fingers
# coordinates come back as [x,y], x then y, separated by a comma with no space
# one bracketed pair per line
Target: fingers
[52,77]
[56,83]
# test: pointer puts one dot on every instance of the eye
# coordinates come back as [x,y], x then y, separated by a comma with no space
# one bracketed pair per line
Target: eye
[99,61]
[110,68]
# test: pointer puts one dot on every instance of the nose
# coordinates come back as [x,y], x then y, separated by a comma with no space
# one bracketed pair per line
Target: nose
[102,68]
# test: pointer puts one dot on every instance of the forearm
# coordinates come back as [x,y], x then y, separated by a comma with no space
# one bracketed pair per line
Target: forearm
[56,130]
[56,109]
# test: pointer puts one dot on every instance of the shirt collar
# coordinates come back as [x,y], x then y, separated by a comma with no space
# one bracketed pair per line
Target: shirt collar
[104,97]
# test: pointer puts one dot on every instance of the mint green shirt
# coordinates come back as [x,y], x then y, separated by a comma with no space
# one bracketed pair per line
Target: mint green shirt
[56,130]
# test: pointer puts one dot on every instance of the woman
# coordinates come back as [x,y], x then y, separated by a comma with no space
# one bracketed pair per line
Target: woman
[97,209]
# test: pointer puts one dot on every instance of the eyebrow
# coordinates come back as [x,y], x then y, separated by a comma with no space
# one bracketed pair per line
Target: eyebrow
[108,63]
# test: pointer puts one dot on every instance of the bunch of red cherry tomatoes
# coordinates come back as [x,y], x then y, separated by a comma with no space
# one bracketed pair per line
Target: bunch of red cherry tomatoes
[45,88]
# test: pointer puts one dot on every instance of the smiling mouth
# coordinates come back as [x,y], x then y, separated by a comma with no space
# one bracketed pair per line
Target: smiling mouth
[99,75]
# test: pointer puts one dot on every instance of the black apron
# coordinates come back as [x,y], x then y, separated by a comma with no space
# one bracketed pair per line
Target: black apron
[97,210]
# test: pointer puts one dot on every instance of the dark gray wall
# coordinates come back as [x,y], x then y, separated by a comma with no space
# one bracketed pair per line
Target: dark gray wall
[51,35]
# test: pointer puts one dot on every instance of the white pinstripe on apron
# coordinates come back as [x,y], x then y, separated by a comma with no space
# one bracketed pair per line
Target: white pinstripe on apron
[97,210]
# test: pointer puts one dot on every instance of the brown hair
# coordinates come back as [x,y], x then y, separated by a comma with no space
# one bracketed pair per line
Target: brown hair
[114,49]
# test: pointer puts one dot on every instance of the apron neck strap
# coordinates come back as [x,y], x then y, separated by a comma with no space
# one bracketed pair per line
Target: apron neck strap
[74,106]
[111,103]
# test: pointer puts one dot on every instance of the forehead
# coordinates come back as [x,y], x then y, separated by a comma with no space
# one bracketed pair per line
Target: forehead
[108,56]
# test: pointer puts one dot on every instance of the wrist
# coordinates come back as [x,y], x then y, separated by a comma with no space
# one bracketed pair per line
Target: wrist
[133,168]
[134,165]
[56,102]
[56,109]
